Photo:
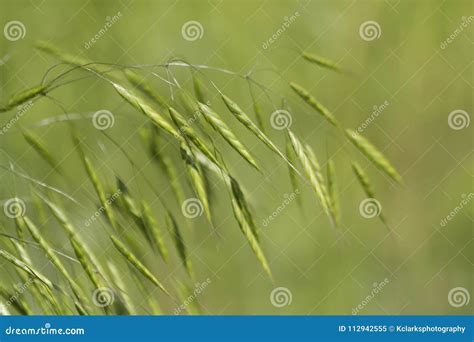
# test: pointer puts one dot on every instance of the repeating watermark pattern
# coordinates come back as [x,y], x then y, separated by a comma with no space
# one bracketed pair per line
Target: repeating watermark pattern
[14,207]
[370,30]
[198,289]
[287,21]
[192,208]
[465,22]
[377,288]
[103,119]
[14,30]
[465,200]
[458,297]
[196,115]
[459,119]
[103,296]
[192,30]
[109,22]
[370,208]
[280,297]
[281,119]
[20,112]
[19,290]
[4,59]
[286,201]
[111,199]
[377,110]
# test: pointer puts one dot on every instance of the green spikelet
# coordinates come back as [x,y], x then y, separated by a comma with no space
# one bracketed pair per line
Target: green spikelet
[155,231]
[326,63]
[247,122]
[23,97]
[41,149]
[191,134]
[221,127]
[373,154]
[310,172]
[137,264]
[252,240]
[310,100]
[332,191]
[364,182]
[179,244]
[196,178]
[143,86]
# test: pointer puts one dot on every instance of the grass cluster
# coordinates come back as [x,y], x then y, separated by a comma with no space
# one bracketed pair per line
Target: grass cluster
[190,122]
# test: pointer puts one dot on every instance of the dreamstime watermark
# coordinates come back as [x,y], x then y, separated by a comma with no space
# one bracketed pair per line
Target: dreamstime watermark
[377,287]
[377,110]
[286,24]
[46,330]
[465,22]
[192,208]
[281,119]
[286,201]
[19,290]
[458,297]
[14,30]
[465,200]
[103,119]
[103,208]
[103,296]
[4,59]
[198,289]
[370,30]
[14,207]
[192,30]
[370,208]
[280,297]
[109,22]
[195,117]
[459,119]
[22,109]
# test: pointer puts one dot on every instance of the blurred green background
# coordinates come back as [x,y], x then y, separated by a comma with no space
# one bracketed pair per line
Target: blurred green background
[326,271]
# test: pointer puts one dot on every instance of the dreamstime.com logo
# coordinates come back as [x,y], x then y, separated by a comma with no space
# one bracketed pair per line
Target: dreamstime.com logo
[286,201]
[14,207]
[103,119]
[465,22]
[287,21]
[376,289]
[370,208]
[377,110]
[14,30]
[109,22]
[103,208]
[198,289]
[192,30]
[21,110]
[281,119]
[192,208]
[280,297]
[103,296]
[46,330]
[459,119]
[370,30]
[458,297]
[464,202]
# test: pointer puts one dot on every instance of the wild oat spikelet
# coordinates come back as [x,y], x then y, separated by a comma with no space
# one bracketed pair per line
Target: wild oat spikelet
[309,99]
[373,154]
[135,262]
[221,127]
[324,62]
